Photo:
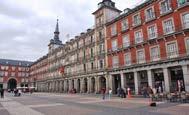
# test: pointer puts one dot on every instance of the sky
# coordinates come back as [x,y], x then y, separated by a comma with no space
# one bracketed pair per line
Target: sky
[26,26]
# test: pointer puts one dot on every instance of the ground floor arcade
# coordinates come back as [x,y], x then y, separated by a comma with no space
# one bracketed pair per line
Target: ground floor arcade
[166,77]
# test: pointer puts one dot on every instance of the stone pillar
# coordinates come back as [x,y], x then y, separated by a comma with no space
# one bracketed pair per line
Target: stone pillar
[97,84]
[65,86]
[150,79]
[186,77]
[110,82]
[82,85]
[75,84]
[167,79]
[70,85]
[136,82]
[122,80]
[107,83]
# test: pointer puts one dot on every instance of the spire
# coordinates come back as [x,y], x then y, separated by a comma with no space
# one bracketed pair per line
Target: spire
[56,33]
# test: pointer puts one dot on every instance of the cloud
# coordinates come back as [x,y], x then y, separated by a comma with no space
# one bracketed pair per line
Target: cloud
[28,25]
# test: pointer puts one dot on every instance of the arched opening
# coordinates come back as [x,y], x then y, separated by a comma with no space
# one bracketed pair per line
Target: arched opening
[85,85]
[92,85]
[78,85]
[12,84]
[116,83]
[102,82]
[62,86]
[67,87]
[72,84]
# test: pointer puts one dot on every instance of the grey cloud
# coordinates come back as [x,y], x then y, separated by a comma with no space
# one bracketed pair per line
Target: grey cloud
[27,26]
[11,9]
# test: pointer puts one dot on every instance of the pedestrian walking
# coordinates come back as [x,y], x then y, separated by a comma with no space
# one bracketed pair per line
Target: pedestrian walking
[103,93]
[2,93]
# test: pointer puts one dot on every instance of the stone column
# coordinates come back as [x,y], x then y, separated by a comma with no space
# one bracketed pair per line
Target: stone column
[89,85]
[122,80]
[150,79]
[75,84]
[107,82]
[82,85]
[110,82]
[167,79]
[186,77]
[136,82]
[97,84]
[65,86]
[70,85]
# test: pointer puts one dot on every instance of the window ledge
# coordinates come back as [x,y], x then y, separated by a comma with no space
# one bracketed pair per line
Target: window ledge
[166,13]
[136,25]
[170,33]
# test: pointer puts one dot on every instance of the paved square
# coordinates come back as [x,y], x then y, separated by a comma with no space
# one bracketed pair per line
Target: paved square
[69,104]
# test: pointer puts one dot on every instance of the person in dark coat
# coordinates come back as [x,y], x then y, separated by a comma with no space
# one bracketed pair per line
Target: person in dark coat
[103,91]
[2,93]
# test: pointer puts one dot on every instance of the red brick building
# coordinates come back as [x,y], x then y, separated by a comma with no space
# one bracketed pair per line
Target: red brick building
[149,45]
[14,73]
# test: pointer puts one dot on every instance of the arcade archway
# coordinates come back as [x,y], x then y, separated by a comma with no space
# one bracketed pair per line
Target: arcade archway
[12,84]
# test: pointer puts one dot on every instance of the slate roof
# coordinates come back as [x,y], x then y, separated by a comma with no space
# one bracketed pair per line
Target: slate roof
[15,62]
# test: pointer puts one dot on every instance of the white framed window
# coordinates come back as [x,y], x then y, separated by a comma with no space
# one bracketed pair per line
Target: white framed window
[113,30]
[165,6]
[127,57]
[6,67]
[126,41]
[115,61]
[187,45]
[12,74]
[168,26]
[101,64]
[150,14]
[141,56]
[101,48]
[182,2]
[152,31]
[137,19]
[185,20]
[172,49]
[2,67]
[114,45]
[124,25]
[154,53]
[138,36]
[6,73]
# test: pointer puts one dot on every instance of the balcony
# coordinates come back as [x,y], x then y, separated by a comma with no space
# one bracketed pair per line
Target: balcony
[152,36]
[172,54]
[114,49]
[166,11]
[115,65]
[186,24]
[138,40]
[126,44]
[137,23]
[150,17]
